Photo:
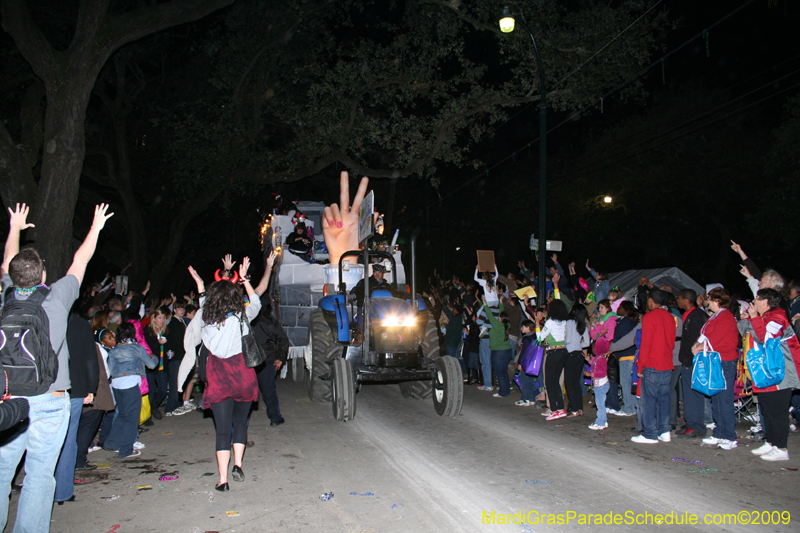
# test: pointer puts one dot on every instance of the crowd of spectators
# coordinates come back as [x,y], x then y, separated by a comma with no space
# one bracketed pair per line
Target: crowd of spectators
[635,356]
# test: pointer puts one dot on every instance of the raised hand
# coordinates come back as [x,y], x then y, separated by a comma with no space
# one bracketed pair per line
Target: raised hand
[340,222]
[100,216]
[271,259]
[738,249]
[227,262]
[19,216]
[201,286]
[244,267]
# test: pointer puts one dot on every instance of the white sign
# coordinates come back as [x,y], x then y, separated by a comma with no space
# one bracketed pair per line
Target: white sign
[552,246]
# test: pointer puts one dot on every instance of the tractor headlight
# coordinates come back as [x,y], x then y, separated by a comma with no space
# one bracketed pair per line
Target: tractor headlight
[397,321]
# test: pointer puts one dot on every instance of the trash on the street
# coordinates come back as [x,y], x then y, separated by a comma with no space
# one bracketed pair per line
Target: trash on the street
[397,505]
[114,528]
[195,530]
[703,471]
[535,482]
[144,487]
[111,498]
[611,443]
[789,468]
[168,433]
[102,466]
[327,496]
[208,474]
[365,494]
[686,460]
[233,513]
[168,478]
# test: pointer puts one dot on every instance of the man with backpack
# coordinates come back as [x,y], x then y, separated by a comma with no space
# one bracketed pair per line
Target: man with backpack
[36,362]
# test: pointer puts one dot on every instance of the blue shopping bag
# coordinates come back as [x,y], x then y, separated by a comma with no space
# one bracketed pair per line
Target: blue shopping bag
[766,363]
[707,376]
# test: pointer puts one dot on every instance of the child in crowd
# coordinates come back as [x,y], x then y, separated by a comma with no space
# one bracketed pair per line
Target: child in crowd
[527,383]
[600,382]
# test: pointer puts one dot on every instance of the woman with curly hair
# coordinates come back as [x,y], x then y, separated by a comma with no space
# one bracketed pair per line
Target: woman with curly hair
[231,387]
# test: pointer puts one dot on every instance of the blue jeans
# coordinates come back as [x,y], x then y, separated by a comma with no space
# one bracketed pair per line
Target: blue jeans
[722,405]
[486,362]
[629,400]
[157,383]
[107,426]
[126,424]
[42,436]
[171,366]
[500,361]
[600,401]
[473,360]
[65,469]
[527,385]
[655,402]
[612,398]
[694,403]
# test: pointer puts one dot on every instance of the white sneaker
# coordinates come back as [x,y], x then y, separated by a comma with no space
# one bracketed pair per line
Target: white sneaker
[623,413]
[763,449]
[711,441]
[641,439]
[711,425]
[190,404]
[776,455]
[182,410]
[598,427]
[94,449]
[726,444]
[612,411]
[138,445]
[665,437]
[755,429]
[523,403]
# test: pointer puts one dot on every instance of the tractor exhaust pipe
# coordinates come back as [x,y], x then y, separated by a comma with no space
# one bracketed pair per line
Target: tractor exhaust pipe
[414,236]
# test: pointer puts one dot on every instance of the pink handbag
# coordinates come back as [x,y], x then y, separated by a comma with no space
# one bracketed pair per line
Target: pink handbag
[144,388]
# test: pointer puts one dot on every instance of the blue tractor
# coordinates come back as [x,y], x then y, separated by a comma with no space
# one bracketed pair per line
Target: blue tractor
[389,338]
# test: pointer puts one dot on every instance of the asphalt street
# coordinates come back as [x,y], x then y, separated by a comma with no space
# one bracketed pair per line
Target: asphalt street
[398,467]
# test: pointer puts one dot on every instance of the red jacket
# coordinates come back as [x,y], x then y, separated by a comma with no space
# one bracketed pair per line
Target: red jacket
[658,340]
[723,335]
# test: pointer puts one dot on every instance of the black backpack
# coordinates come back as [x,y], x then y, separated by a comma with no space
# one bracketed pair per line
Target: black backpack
[25,350]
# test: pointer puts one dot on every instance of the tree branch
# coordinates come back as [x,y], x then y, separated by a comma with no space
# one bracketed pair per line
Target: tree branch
[16,180]
[128,27]
[30,40]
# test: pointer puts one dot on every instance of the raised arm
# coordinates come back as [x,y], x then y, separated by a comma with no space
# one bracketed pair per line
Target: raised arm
[17,223]
[264,283]
[255,302]
[86,250]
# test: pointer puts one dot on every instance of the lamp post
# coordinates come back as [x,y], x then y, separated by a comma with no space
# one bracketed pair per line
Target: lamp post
[507,26]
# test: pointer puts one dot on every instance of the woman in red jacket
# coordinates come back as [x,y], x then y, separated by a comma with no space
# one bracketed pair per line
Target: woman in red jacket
[721,334]
[766,317]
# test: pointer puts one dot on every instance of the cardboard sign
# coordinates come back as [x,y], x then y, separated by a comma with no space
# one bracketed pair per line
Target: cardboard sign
[525,291]
[486,261]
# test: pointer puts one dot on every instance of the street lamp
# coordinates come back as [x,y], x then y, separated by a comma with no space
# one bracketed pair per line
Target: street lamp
[506,26]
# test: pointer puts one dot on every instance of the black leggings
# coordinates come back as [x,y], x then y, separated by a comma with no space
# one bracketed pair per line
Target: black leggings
[553,366]
[230,418]
[573,377]
[774,406]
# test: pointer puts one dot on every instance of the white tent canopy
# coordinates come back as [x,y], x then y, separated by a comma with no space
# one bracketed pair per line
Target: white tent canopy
[628,280]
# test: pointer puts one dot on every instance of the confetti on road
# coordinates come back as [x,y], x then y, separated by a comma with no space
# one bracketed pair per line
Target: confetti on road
[144,487]
[686,460]
[365,494]
[111,498]
[326,496]
[397,505]
[534,482]
[703,471]
[233,513]
[168,478]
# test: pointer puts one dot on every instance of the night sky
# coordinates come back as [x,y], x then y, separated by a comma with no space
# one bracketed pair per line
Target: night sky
[726,90]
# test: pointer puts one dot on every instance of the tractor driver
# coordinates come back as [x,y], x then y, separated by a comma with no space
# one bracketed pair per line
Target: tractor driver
[375,281]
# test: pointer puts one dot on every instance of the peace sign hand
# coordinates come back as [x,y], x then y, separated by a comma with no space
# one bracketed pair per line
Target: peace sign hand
[340,222]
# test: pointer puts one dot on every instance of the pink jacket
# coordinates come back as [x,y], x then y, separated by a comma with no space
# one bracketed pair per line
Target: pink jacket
[140,336]
[604,329]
